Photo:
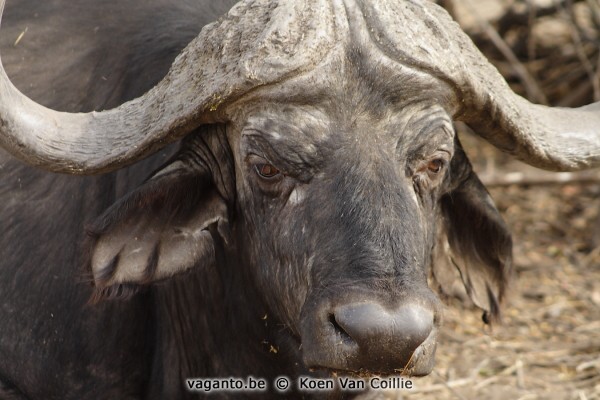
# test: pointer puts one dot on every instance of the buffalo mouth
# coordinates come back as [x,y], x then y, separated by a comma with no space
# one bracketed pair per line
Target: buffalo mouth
[420,363]
[367,339]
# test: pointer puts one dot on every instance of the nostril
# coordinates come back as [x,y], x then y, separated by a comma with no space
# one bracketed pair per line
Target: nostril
[369,336]
[375,328]
[344,336]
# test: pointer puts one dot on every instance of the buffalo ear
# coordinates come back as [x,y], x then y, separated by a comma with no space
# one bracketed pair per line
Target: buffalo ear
[474,243]
[165,226]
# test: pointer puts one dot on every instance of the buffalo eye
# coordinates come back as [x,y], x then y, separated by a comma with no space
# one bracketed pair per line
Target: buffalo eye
[435,166]
[267,171]
[429,171]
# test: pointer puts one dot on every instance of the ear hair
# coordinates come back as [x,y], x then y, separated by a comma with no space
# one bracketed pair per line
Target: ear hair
[158,230]
[473,242]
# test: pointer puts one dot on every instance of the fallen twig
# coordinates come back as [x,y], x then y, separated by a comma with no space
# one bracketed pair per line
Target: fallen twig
[443,386]
[540,178]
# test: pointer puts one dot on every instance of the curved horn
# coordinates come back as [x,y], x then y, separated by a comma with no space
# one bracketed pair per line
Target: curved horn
[255,44]
[422,35]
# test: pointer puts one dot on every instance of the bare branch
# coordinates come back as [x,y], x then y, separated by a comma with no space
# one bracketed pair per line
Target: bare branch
[534,92]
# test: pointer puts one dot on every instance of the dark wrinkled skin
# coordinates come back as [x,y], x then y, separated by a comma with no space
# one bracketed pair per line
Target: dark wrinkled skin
[370,171]
[354,221]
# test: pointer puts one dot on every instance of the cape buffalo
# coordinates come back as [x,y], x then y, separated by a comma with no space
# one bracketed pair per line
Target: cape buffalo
[314,181]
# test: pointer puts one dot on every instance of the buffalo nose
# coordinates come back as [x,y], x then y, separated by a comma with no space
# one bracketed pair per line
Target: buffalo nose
[384,340]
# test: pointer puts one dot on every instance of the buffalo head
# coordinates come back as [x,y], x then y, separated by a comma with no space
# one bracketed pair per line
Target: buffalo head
[320,161]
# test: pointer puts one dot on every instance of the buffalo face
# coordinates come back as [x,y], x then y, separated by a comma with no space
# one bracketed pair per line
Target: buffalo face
[340,223]
[335,209]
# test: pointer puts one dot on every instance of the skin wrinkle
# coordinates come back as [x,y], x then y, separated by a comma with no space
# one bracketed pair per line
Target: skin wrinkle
[382,207]
[297,166]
